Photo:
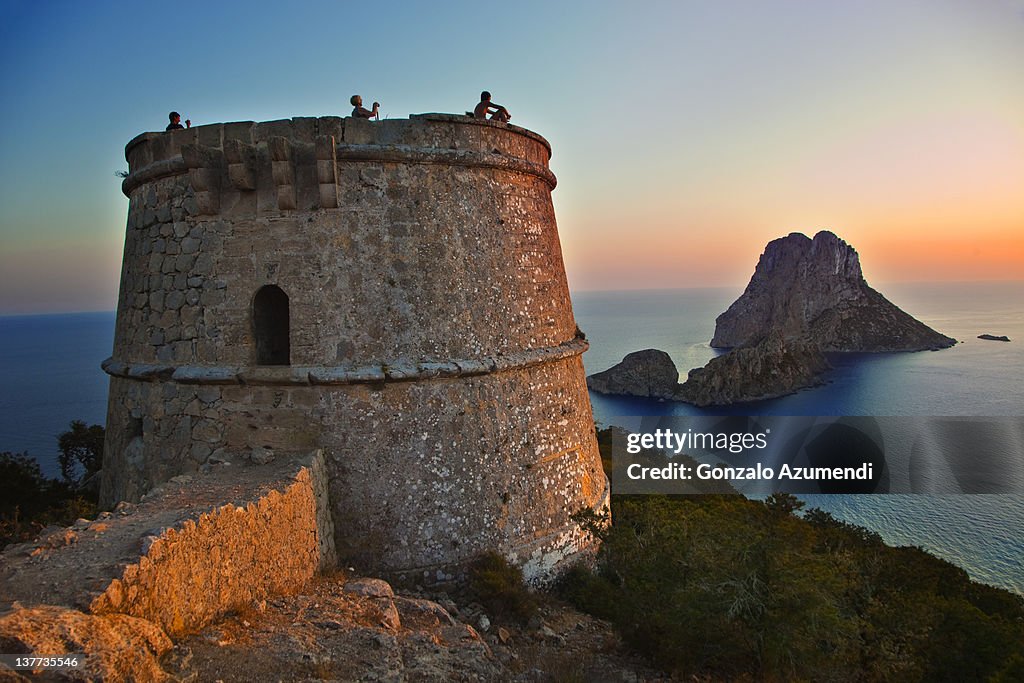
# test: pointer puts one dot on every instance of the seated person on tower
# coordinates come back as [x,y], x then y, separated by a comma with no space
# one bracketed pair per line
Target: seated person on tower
[175,123]
[497,112]
[361,112]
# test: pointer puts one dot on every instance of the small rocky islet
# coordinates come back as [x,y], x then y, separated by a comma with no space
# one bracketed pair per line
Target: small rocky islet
[807,297]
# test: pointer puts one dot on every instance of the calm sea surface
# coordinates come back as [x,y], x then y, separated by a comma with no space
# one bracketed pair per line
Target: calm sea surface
[982,533]
[49,371]
[50,374]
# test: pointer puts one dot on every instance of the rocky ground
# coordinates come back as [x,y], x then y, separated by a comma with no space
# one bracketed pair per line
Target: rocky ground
[342,629]
[196,537]
[360,630]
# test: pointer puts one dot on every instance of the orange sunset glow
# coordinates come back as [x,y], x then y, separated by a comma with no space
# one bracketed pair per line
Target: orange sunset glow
[685,136]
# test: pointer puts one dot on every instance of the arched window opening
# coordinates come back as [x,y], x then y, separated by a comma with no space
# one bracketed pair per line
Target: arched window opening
[270,320]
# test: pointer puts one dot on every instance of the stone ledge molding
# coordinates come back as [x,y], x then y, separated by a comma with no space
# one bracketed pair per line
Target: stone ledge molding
[393,371]
[407,154]
[165,168]
[470,121]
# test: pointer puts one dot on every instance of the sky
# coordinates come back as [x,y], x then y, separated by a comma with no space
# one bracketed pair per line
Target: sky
[686,135]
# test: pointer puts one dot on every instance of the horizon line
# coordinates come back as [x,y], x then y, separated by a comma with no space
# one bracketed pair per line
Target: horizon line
[572,292]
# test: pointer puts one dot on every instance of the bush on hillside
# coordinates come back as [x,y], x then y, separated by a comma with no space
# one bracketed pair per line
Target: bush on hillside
[30,501]
[499,587]
[729,588]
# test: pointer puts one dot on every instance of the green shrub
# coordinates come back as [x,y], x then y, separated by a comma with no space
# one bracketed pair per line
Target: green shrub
[499,587]
[29,501]
[81,452]
[730,588]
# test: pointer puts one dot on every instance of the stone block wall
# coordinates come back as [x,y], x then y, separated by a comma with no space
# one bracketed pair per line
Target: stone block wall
[229,557]
[499,460]
[195,548]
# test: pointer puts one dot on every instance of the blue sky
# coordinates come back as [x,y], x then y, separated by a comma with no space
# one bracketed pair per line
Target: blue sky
[686,134]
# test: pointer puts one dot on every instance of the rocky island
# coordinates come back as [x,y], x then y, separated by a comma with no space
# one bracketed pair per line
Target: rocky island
[993,337]
[649,373]
[769,369]
[814,290]
[806,297]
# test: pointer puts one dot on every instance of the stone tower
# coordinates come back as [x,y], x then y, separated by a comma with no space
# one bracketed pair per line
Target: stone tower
[391,293]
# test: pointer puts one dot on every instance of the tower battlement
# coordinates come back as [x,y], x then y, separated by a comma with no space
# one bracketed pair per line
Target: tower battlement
[391,293]
[292,164]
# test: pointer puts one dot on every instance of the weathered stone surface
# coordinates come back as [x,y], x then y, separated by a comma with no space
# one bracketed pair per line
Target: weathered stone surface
[334,634]
[650,373]
[370,588]
[814,290]
[201,375]
[772,368]
[432,349]
[260,455]
[116,647]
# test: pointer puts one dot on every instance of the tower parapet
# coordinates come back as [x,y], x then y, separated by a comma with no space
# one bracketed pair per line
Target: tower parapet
[391,292]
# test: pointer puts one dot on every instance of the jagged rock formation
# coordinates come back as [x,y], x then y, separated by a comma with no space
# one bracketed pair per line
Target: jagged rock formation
[649,373]
[774,367]
[992,337]
[814,290]
[771,368]
[806,297]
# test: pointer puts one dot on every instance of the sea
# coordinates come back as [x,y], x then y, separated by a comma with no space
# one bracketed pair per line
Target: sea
[982,533]
[50,374]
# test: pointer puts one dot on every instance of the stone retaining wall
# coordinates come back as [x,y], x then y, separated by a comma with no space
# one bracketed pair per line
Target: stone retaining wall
[181,558]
